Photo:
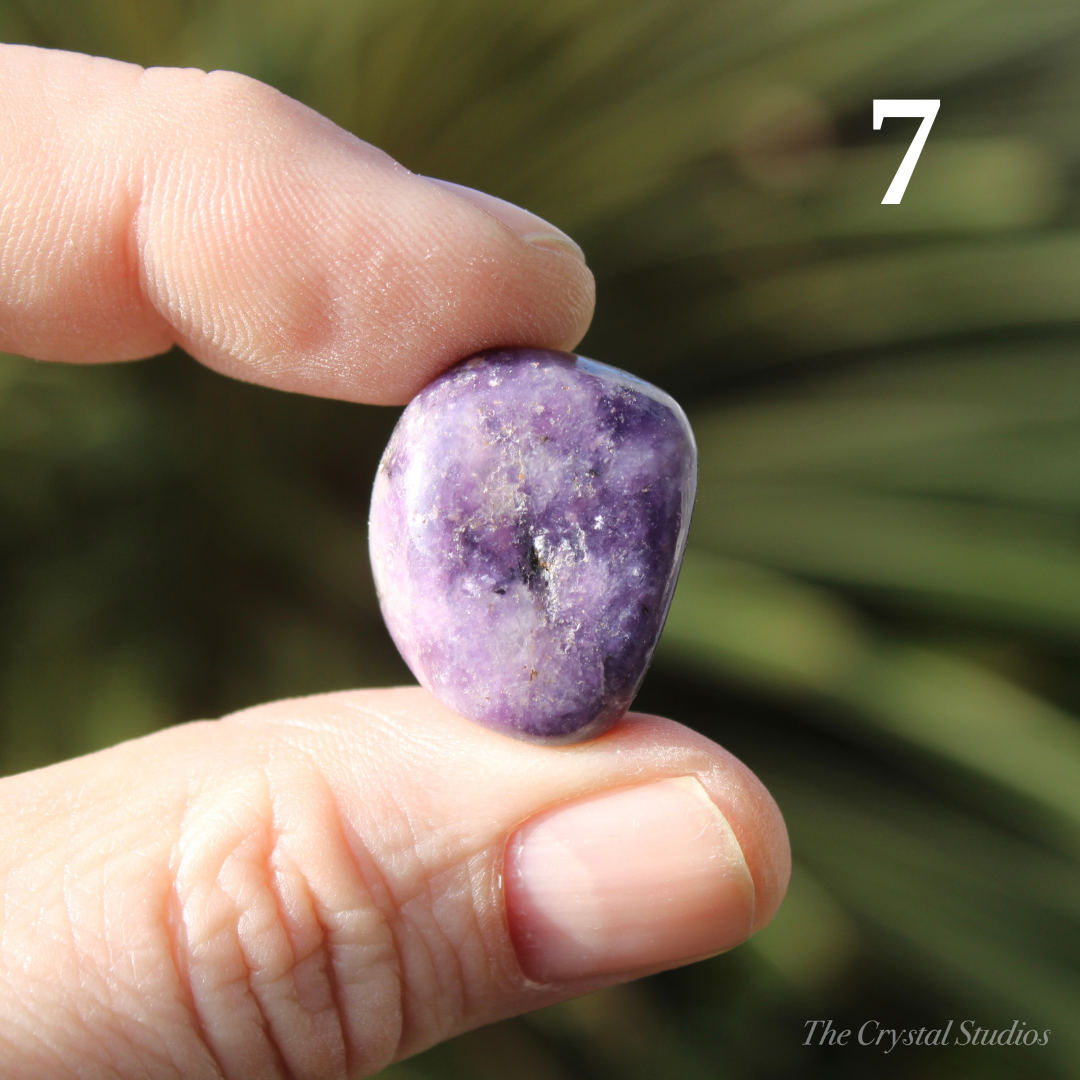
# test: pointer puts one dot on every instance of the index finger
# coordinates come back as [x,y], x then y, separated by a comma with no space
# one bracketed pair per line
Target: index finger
[145,208]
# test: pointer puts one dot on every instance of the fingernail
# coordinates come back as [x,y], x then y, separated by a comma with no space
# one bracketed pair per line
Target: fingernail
[532,229]
[636,878]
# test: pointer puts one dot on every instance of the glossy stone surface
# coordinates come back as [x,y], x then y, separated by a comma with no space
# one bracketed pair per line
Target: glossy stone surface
[527,525]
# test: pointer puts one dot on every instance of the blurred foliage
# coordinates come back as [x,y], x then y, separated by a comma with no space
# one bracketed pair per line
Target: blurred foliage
[880,611]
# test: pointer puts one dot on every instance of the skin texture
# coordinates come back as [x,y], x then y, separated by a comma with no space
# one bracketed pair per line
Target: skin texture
[312,888]
[147,208]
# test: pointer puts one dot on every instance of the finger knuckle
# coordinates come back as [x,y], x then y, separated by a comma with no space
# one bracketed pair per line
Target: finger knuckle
[289,962]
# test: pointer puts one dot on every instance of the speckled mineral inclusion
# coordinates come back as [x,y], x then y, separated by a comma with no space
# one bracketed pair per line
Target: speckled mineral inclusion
[527,525]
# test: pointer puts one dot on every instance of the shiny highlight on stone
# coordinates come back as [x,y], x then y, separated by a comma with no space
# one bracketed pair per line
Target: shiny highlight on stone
[527,524]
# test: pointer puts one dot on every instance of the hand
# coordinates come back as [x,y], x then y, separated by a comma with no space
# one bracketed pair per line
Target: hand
[315,888]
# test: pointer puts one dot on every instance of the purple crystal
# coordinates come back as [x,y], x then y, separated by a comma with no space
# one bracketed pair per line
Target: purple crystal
[527,525]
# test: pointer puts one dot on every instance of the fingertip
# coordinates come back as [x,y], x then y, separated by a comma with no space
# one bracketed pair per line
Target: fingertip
[518,282]
[744,801]
[275,247]
[337,272]
[526,225]
[637,878]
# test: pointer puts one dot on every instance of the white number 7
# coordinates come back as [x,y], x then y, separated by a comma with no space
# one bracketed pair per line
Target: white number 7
[927,108]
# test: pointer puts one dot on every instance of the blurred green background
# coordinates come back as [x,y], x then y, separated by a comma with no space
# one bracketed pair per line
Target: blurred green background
[880,610]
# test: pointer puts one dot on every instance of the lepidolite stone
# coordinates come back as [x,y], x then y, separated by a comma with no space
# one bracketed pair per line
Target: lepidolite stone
[527,525]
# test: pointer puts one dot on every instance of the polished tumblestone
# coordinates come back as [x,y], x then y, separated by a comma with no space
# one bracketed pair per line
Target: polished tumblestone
[527,524]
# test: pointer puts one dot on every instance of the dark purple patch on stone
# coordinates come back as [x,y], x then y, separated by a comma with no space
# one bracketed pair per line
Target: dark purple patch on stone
[527,525]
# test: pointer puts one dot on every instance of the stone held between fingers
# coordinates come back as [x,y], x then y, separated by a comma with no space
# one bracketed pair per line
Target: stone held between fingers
[528,520]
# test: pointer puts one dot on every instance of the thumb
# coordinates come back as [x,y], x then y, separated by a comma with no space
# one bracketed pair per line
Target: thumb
[319,887]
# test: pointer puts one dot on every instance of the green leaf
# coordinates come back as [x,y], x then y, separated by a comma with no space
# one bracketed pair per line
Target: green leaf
[1009,566]
[730,620]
